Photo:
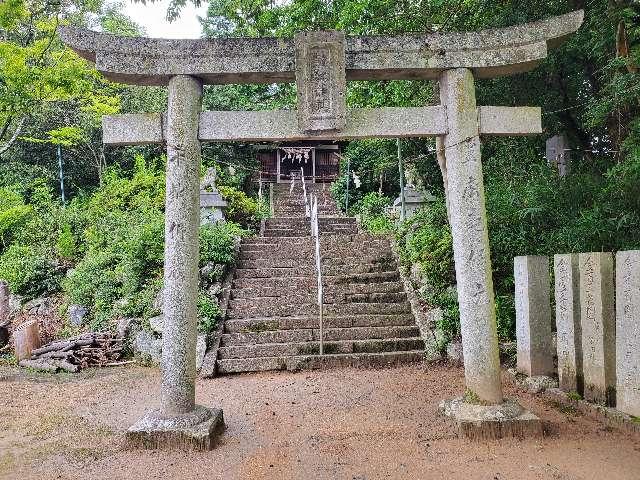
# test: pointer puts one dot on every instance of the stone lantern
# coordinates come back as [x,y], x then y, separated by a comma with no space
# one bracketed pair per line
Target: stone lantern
[212,204]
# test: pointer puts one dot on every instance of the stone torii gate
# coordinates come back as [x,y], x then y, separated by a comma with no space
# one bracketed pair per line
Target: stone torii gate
[321,63]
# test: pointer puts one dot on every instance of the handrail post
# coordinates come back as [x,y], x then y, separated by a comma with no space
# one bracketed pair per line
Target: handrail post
[315,230]
[271,206]
[304,193]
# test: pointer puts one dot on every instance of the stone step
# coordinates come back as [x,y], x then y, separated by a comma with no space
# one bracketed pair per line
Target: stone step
[329,348]
[304,322]
[299,232]
[312,334]
[286,282]
[253,252]
[309,261]
[329,289]
[328,241]
[304,271]
[282,220]
[309,295]
[283,233]
[315,362]
[246,308]
[308,281]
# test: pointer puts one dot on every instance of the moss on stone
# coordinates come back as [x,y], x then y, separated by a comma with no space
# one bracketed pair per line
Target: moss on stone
[472,398]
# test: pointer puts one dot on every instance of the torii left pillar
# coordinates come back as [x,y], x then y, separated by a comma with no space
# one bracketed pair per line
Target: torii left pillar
[179,421]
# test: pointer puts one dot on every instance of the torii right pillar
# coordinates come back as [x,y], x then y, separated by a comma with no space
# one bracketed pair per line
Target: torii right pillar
[482,412]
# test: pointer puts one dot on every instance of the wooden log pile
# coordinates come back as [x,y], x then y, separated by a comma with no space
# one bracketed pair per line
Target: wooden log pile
[94,349]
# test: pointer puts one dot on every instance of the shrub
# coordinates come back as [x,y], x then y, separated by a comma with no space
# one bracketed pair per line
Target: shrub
[28,271]
[66,245]
[217,242]
[208,313]
[14,214]
[372,211]
[241,208]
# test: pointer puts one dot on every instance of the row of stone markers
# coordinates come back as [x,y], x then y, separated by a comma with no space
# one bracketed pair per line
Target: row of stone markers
[597,320]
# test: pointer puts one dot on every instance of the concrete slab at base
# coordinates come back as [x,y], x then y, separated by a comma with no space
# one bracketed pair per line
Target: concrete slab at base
[492,422]
[195,430]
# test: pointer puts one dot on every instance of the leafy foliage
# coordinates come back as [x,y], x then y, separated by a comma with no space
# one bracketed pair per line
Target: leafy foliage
[241,208]
[372,211]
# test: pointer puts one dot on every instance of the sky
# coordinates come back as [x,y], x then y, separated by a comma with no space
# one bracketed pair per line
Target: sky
[152,17]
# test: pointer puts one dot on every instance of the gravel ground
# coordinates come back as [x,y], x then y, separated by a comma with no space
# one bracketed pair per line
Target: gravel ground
[337,424]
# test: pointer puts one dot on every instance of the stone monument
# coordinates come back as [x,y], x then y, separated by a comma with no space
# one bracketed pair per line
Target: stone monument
[597,316]
[533,316]
[568,327]
[628,332]
[320,63]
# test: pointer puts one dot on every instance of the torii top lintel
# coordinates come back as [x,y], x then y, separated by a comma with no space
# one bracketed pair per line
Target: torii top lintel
[489,53]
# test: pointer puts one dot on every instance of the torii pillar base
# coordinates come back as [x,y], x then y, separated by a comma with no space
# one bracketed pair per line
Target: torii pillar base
[492,422]
[196,430]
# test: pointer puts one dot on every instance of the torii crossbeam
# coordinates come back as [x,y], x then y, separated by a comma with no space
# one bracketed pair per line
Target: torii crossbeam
[321,63]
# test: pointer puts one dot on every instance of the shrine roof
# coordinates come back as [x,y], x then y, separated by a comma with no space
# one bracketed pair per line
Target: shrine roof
[489,53]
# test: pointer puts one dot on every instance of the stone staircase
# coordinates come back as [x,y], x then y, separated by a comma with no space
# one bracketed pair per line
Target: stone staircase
[272,320]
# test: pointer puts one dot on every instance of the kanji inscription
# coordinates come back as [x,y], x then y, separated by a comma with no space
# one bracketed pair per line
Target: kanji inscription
[321,81]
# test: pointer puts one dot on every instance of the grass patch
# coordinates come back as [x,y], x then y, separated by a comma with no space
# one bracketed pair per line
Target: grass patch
[574,396]
[472,398]
[568,410]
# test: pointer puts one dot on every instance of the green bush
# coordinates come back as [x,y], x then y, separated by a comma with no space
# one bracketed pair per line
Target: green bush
[28,271]
[121,228]
[425,239]
[217,242]
[372,211]
[66,245]
[208,313]
[14,214]
[241,208]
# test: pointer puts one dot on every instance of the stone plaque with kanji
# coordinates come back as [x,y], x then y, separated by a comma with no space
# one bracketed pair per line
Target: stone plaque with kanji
[321,81]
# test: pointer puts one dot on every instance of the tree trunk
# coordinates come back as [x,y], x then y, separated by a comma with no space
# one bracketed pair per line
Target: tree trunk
[14,137]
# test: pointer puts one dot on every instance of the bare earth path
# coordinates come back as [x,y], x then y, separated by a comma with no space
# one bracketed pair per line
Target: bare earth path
[338,424]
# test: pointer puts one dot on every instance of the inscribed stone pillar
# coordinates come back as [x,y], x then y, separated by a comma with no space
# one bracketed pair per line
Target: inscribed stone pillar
[533,315]
[470,237]
[628,332]
[181,246]
[598,327]
[569,343]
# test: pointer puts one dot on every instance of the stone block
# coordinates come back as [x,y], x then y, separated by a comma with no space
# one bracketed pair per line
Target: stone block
[506,121]
[533,316]
[597,318]
[76,314]
[558,154]
[569,337]
[492,422]
[321,80]
[132,129]
[157,323]
[196,430]
[148,346]
[628,332]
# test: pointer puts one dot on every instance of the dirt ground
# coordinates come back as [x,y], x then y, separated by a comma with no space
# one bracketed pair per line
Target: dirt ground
[338,424]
